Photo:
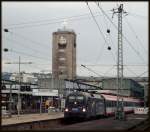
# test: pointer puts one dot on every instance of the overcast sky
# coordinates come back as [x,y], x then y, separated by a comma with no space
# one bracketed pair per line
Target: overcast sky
[31,25]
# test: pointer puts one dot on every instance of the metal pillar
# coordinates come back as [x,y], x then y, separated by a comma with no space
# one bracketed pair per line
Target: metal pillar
[19,99]
[144,96]
[119,111]
[41,105]
[10,101]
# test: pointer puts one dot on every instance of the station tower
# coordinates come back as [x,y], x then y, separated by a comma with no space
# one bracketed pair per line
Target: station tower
[64,53]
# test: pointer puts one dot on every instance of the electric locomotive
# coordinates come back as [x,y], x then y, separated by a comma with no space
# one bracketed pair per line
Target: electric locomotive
[83,105]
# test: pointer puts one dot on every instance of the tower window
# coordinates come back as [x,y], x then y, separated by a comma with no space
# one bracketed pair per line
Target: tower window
[61,50]
[60,46]
[62,63]
[62,59]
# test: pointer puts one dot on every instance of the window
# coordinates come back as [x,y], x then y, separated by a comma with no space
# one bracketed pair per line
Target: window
[28,88]
[61,54]
[113,103]
[61,50]
[79,97]
[62,59]
[62,72]
[23,88]
[60,46]
[71,98]
[3,87]
[62,63]
[62,67]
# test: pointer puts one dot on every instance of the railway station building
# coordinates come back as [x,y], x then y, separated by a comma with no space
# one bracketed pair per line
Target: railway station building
[130,87]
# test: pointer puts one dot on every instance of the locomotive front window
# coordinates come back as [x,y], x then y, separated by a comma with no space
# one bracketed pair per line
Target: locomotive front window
[71,98]
[80,98]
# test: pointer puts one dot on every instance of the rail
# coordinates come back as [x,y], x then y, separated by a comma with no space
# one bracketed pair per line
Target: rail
[142,126]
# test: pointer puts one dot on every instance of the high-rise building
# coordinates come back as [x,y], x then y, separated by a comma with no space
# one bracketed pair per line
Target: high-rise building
[64,54]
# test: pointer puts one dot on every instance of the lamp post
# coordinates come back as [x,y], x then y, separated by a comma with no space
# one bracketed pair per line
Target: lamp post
[10,92]
[19,99]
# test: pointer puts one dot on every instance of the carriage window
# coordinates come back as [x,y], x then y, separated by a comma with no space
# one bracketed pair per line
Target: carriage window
[113,103]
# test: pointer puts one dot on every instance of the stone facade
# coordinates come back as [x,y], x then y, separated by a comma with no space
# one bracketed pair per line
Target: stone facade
[64,54]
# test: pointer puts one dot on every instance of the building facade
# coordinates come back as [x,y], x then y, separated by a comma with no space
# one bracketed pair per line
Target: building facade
[130,87]
[64,54]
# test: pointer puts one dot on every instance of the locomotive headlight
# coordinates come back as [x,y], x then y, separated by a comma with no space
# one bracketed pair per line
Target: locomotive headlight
[66,110]
[84,110]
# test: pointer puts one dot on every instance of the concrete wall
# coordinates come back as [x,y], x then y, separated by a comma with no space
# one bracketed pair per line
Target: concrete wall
[130,87]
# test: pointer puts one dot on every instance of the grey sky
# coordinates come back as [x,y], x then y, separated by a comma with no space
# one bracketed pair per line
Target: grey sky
[38,21]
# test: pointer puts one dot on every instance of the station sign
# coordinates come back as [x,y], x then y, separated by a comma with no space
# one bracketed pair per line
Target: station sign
[44,92]
[75,85]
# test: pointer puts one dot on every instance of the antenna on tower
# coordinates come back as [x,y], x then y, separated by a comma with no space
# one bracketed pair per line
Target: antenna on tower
[65,24]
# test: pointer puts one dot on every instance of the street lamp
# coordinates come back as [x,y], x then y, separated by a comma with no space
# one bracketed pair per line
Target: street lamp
[10,97]
[19,99]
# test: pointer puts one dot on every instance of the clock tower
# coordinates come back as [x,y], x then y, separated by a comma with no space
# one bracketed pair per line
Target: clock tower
[64,54]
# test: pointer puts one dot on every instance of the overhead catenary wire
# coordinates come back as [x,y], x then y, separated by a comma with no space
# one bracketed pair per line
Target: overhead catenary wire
[25,46]
[137,15]
[131,71]
[30,40]
[142,74]
[37,67]
[54,19]
[109,70]
[30,55]
[89,69]
[112,41]
[50,21]
[122,34]
[132,29]
[99,29]
[115,65]
[101,51]
[92,71]
[100,54]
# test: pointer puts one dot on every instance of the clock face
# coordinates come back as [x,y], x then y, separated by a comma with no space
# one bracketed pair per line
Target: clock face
[62,40]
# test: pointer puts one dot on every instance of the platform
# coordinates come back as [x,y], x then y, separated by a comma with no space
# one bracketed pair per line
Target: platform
[31,117]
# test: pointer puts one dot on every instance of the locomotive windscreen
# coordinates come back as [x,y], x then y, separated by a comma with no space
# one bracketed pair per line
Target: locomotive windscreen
[75,98]
[79,98]
[71,98]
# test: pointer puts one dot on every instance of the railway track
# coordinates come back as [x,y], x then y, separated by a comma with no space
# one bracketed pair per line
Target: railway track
[142,126]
